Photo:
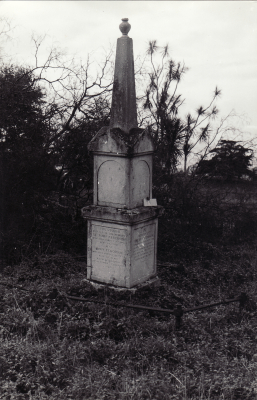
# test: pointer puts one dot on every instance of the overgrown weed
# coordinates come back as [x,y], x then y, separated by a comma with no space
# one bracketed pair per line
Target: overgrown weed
[55,348]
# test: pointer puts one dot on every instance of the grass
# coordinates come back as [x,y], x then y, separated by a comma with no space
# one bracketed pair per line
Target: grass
[55,348]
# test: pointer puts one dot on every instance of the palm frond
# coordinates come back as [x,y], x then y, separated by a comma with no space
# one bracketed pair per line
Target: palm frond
[152,47]
[217,92]
[165,52]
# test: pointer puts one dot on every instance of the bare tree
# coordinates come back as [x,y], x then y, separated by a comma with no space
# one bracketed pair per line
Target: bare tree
[71,86]
[5,29]
[193,131]
[76,95]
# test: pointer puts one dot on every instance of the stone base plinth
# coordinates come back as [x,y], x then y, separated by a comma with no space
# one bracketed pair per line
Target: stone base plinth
[122,244]
[151,283]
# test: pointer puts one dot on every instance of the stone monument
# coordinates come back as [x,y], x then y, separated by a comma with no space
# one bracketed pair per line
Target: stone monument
[122,232]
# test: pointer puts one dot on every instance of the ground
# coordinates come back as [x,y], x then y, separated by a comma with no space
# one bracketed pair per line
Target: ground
[55,348]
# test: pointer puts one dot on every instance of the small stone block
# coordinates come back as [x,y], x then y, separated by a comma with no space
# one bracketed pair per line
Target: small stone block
[153,202]
[150,203]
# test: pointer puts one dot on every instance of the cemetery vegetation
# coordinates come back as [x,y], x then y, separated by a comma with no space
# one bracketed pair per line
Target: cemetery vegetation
[55,348]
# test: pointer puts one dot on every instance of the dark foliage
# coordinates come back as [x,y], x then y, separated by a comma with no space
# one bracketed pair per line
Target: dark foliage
[27,171]
[230,161]
[199,211]
[42,186]
[45,182]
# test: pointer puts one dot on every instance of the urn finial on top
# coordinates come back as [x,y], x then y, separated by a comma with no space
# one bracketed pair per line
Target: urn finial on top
[125,26]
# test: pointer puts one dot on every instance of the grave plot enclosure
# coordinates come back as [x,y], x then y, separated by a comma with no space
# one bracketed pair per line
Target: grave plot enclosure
[122,233]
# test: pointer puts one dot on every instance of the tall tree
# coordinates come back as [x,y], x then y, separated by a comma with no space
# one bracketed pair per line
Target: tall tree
[161,104]
[43,151]
[27,171]
[175,137]
[230,160]
[71,86]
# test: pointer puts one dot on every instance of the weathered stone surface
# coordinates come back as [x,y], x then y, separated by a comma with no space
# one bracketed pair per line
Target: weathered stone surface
[108,245]
[125,26]
[144,247]
[121,255]
[122,233]
[111,183]
[122,181]
[116,141]
[123,111]
[121,216]
[150,283]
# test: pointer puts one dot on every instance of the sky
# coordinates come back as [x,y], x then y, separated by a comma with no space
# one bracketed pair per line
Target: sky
[217,41]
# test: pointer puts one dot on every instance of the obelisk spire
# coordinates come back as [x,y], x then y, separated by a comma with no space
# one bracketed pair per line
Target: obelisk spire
[123,110]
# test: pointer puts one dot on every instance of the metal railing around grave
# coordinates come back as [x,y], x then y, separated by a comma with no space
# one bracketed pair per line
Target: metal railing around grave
[178,311]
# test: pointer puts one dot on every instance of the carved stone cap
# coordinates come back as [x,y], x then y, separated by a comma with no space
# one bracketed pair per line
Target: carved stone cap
[118,142]
[125,26]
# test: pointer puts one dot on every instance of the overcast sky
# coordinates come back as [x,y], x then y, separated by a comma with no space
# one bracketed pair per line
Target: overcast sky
[216,40]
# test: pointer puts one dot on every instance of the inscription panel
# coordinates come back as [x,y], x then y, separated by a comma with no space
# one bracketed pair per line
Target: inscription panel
[143,242]
[144,251]
[108,247]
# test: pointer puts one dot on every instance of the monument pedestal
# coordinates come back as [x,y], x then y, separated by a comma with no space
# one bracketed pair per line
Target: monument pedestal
[122,244]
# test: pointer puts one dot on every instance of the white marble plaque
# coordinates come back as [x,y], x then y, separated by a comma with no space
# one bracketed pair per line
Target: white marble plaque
[144,251]
[144,242]
[108,247]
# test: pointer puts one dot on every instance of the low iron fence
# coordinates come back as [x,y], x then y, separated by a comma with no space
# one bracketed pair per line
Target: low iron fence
[178,311]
